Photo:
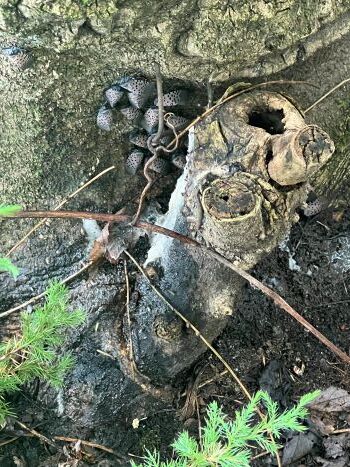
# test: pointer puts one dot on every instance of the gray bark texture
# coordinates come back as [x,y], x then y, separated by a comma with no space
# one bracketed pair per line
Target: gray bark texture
[50,145]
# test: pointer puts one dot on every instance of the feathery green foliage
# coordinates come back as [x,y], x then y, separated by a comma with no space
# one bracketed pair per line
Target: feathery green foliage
[7,210]
[33,354]
[225,443]
[7,265]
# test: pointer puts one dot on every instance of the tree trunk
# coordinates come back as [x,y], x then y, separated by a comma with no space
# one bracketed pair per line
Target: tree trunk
[50,145]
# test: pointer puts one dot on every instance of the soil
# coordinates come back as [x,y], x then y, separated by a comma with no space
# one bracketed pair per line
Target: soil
[266,347]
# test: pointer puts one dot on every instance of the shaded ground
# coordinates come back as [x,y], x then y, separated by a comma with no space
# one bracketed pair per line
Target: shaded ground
[257,335]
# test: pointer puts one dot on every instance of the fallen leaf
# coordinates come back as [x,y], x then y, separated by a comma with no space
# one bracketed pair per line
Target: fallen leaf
[328,407]
[343,462]
[296,448]
[332,400]
[336,445]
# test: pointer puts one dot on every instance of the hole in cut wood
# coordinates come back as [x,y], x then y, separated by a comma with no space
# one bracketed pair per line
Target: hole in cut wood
[268,120]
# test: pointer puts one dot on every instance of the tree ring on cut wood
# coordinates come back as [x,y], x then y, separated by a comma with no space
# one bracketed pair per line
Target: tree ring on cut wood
[229,200]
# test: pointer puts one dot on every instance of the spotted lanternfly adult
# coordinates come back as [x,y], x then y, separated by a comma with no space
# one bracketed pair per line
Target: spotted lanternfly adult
[139,138]
[132,114]
[173,98]
[105,118]
[150,119]
[114,94]
[160,166]
[140,90]
[137,85]
[179,160]
[134,161]
[177,122]
[138,100]
[312,208]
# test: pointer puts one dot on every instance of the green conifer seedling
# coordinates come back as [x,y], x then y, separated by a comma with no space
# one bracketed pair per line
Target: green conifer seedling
[34,353]
[226,443]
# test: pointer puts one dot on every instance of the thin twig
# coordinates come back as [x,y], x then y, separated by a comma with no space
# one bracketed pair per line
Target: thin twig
[8,441]
[326,95]
[62,203]
[212,380]
[199,421]
[36,434]
[338,432]
[105,354]
[190,325]
[278,300]
[202,338]
[103,218]
[131,350]
[86,443]
[158,135]
[43,294]
[262,454]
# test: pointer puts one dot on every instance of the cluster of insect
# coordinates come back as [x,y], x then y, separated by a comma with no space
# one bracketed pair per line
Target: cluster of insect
[18,57]
[135,98]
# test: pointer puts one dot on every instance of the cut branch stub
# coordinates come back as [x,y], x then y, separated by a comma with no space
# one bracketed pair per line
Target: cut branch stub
[230,197]
[297,155]
[232,207]
[239,217]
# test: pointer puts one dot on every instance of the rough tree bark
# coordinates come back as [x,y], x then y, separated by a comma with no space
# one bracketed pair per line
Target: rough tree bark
[50,144]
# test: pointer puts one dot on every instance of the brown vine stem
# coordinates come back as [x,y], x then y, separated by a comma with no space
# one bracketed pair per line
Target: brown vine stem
[277,299]
[36,434]
[175,141]
[327,94]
